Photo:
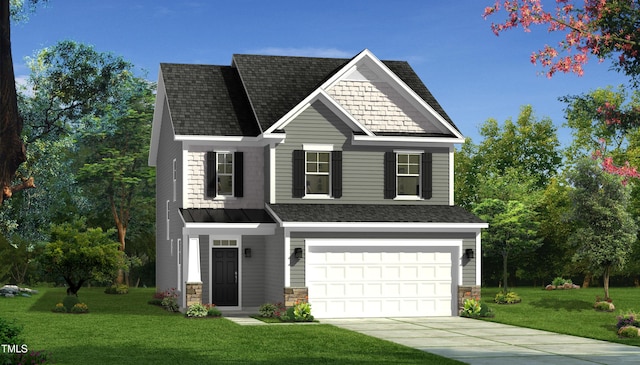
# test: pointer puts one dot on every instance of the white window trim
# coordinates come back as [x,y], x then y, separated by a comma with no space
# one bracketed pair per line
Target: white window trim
[179,263]
[312,147]
[311,195]
[233,177]
[175,178]
[409,197]
[168,221]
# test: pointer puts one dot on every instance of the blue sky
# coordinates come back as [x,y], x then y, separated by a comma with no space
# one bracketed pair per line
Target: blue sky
[473,74]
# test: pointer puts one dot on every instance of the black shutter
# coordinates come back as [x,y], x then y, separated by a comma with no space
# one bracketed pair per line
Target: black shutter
[427,175]
[336,174]
[389,175]
[298,174]
[211,175]
[238,178]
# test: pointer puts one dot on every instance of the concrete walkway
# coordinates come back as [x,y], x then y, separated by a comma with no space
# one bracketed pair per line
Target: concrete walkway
[478,342]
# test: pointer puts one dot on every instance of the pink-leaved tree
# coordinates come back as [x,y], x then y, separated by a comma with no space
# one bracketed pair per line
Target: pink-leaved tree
[605,29]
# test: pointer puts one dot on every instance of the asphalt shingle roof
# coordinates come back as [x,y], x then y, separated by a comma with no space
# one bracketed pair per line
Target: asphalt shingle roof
[208,100]
[253,93]
[373,213]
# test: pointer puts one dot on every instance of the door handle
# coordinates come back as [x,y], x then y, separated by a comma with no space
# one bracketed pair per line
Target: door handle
[236,274]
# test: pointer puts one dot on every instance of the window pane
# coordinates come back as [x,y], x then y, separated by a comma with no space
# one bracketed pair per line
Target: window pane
[414,169]
[317,184]
[408,185]
[403,158]
[312,167]
[414,159]
[312,157]
[323,167]
[323,157]
[225,185]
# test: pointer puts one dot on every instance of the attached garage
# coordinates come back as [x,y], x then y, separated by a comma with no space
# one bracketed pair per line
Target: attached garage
[382,277]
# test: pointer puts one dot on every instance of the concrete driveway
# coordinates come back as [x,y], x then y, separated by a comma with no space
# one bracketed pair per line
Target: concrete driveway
[478,342]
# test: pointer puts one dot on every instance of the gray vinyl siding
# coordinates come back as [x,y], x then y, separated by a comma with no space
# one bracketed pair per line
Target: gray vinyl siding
[166,260]
[274,267]
[362,166]
[297,265]
[298,278]
[205,268]
[253,271]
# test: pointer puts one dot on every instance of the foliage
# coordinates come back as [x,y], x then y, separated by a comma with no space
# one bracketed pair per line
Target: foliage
[509,297]
[288,315]
[33,358]
[79,254]
[560,281]
[10,332]
[197,310]
[117,289]
[603,28]
[604,306]
[605,230]
[267,310]
[79,308]
[629,332]
[512,230]
[170,300]
[213,311]
[630,318]
[471,308]
[59,308]
[302,311]
[70,301]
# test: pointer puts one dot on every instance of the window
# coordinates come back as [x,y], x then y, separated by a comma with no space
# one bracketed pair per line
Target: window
[408,174]
[317,172]
[224,172]
[225,243]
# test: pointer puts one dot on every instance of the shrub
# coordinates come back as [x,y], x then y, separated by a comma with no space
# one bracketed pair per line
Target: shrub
[288,315]
[69,301]
[507,298]
[155,301]
[629,331]
[80,308]
[213,311]
[558,281]
[59,308]
[10,332]
[170,300]
[32,358]
[604,306]
[485,311]
[471,308]
[302,311]
[117,289]
[196,310]
[268,310]
[630,318]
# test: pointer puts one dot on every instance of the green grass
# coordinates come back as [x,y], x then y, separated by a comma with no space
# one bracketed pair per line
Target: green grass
[124,329]
[566,311]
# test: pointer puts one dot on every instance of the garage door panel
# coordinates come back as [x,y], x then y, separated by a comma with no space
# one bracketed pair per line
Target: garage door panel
[359,281]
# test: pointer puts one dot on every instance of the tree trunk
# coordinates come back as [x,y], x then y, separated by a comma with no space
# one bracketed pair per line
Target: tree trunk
[12,150]
[605,279]
[73,287]
[121,227]
[505,273]
[587,280]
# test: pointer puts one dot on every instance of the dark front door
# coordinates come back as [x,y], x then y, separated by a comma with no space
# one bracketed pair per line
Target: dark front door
[225,276]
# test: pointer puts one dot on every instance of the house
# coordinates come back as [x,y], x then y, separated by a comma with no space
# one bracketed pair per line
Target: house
[286,178]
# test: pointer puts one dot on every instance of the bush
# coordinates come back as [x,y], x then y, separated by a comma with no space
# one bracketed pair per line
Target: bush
[213,311]
[10,332]
[630,318]
[302,312]
[507,298]
[196,310]
[471,308]
[629,332]
[169,300]
[32,358]
[268,310]
[79,308]
[69,301]
[604,306]
[117,289]
[59,308]
[288,315]
[558,281]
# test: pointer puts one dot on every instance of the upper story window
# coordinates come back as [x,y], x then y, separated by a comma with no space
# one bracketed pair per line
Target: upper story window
[225,173]
[318,172]
[408,175]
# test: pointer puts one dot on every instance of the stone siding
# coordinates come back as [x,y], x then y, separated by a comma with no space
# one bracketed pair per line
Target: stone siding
[194,293]
[467,292]
[292,295]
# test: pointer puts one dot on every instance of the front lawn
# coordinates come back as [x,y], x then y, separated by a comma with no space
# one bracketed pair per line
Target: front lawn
[566,311]
[124,329]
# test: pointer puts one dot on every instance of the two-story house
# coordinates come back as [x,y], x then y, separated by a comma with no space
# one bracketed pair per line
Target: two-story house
[285,178]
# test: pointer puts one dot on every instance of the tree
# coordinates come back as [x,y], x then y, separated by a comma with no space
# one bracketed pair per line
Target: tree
[79,254]
[605,231]
[602,28]
[512,230]
[116,169]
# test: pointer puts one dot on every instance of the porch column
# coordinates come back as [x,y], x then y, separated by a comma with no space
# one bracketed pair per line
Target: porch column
[194,282]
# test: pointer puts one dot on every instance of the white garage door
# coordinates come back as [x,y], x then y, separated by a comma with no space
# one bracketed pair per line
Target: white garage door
[365,280]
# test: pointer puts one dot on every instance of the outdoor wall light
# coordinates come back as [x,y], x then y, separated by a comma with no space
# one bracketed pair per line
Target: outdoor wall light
[469,253]
[297,252]
[247,252]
